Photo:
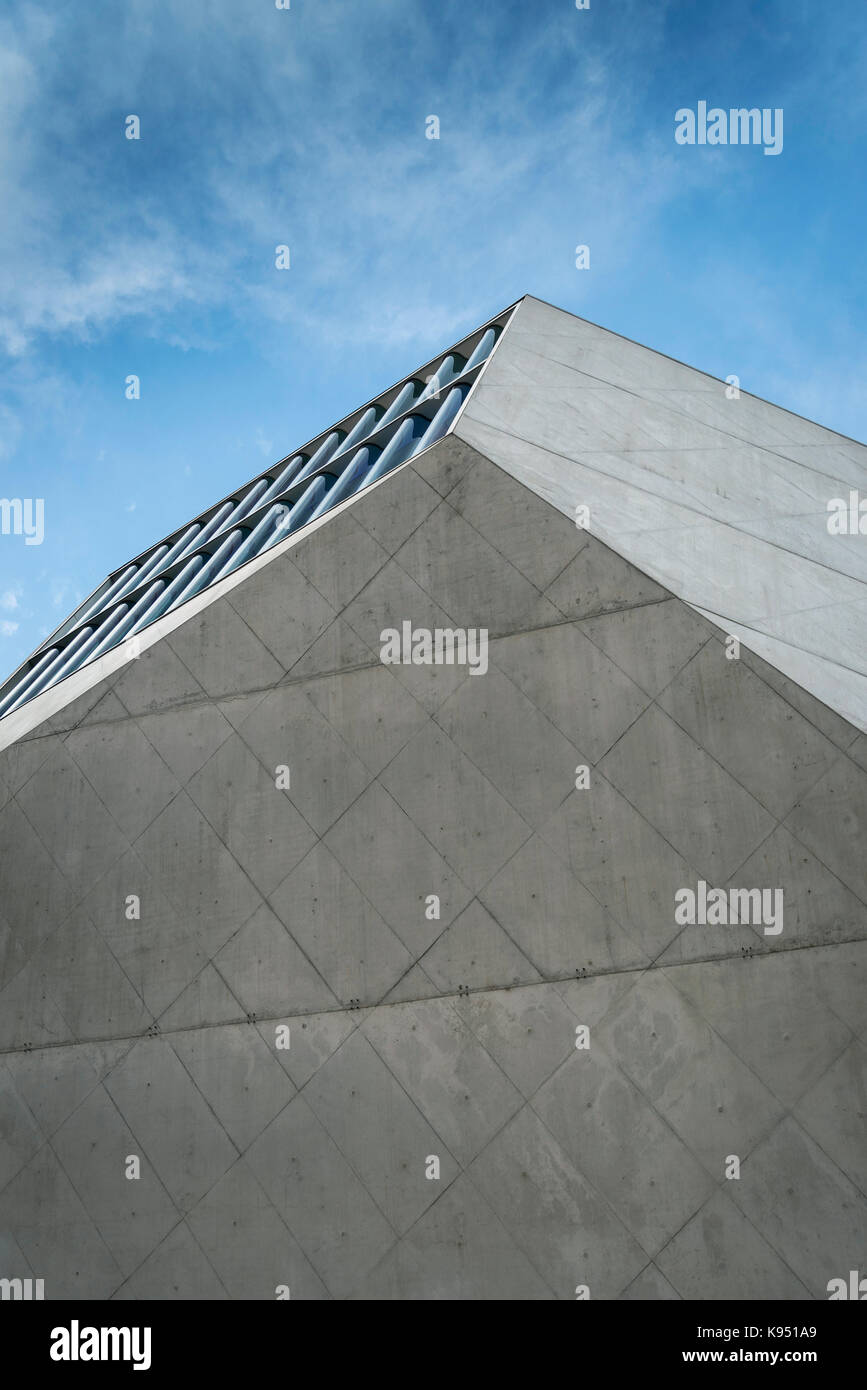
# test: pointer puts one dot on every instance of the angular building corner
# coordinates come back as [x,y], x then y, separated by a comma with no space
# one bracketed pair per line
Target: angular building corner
[383,969]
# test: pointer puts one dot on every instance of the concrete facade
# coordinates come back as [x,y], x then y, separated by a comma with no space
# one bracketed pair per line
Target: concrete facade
[722,498]
[168,905]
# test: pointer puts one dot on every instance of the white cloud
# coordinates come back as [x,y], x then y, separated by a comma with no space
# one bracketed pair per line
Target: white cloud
[7,628]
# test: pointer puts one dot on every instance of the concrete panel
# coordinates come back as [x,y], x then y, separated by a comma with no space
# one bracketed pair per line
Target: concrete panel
[20,1135]
[54,1081]
[159,950]
[804,1206]
[459,1250]
[58,793]
[817,907]
[336,1222]
[286,731]
[521,527]
[267,971]
[206,999]
[428,779]
[371,711]
[339,560]
[396,868]
[443,468]
[35,897]
[338,648]
[29,1017]
[472,951]
[155,681]
[46,1218]
[557,923]
[778,755]
[660,1042]
[650,1286]
[528,1032]
[742,1266]
[252,817]
[454,1082]
[186,738]
[125,771]
[170,1119]
[471,581]
[834,1113]
[598,581]
[313,1039]
[554,1215]
[285,611]
[507,738]
[702,811]
[622,861]
[177,1269]
[223,653]
[215,899]
[651,643]
[20,761]
[831,820]
[771,1013]
[132,1214]
[390,599]
[247,1244]
[237,1075]
[615,1137]
[84,979]
[564,674]
[356,953]
[390,514]
[379,1130]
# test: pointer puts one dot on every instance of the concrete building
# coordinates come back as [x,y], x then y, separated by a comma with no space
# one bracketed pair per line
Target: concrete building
[327,972]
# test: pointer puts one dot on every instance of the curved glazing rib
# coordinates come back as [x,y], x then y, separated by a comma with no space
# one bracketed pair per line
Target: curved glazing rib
[166,600]
[209,528]
[402,401]
[29,678]
[482,349]
[110,594]
[246,504]
[98,635]
[284,478]
[448,369]
[48,673]
[128,622]
[398,448]
[322,455]
[353,477]
[365,426]
[212,566]
[255,541]
[443,418]
[146,569]
[181,544]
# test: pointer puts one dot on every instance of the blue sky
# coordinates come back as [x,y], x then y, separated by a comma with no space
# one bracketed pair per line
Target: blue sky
[306,126]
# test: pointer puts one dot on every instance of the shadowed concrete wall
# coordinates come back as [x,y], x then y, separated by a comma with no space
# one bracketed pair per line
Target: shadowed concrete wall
[411,1036]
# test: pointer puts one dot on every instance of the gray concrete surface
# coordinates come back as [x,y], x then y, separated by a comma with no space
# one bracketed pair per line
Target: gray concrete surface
[722,500]
[415,1037]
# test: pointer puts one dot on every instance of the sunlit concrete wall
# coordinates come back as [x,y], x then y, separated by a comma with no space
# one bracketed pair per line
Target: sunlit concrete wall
[720,496]
[243,831]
